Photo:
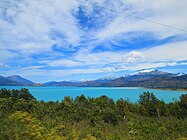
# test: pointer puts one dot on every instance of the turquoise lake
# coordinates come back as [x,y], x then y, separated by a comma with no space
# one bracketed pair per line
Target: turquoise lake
[132,94]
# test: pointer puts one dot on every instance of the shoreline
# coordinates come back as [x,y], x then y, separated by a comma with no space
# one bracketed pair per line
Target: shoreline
[171,89]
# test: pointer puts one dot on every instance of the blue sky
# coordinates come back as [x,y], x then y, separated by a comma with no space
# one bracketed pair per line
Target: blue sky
[46,40]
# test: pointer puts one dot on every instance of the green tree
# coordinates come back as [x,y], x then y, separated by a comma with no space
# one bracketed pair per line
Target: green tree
[183,106]
[149,103]
[4,93]
[24,94]
[28,127]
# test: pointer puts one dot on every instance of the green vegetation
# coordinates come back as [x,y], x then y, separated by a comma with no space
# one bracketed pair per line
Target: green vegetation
[22,117]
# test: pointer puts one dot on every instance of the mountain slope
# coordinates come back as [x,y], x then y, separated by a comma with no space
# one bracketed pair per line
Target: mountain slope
[20,80]
[14,80]
[147,74]
[62,83]
[139,77]
[144,78]
[162,82]
[94,83]
[6,82]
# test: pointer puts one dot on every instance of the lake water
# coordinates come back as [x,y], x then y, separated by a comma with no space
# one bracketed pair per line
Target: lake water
[132,94]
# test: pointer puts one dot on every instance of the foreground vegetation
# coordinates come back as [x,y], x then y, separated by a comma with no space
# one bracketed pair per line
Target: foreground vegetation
[22,117]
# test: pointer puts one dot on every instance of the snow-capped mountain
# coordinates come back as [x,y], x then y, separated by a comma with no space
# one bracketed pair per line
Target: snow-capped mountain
[144,71]
[143,78]
[151,72]
[180,74]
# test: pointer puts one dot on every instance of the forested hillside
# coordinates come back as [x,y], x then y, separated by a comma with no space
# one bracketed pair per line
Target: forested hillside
[22,117]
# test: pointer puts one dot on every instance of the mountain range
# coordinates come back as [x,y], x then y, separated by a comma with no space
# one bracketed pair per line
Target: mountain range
[144,78]
[15,80]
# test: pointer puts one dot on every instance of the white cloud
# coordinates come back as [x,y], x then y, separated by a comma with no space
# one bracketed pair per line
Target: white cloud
[30,30]
[32,27]
[64,63]
[168,12]
[159,56]
[37,24]
[134,56]
[32,67]
[169,52]
[4,66]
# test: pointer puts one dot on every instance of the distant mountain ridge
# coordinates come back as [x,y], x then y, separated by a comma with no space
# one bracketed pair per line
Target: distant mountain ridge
[145,78]
[6,82]
[15,80]
[20,80]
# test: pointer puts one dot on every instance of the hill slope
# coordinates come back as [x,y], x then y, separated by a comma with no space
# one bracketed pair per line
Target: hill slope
[145,78]
[14,80]
[6,82]
[20,80]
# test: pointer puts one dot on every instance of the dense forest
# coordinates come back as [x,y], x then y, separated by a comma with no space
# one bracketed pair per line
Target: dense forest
[22,117]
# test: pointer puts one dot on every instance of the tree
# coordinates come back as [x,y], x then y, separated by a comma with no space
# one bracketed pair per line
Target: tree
[24,94]
[183,106]
[149,103]
[4,93]
[28,127]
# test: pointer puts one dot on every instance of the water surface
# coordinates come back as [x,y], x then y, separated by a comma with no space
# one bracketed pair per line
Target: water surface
[130,93]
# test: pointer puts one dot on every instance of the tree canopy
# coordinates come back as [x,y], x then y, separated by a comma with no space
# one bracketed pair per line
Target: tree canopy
[85,118]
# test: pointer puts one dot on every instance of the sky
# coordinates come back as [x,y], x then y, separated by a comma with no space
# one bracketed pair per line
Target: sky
[57,40]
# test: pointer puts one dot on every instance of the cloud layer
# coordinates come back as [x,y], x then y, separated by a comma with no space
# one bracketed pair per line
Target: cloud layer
[78,39]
